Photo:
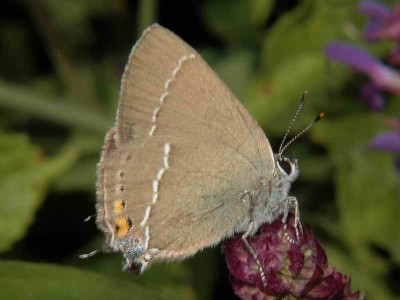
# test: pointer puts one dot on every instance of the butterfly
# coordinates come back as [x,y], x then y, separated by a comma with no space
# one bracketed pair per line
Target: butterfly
[185,165]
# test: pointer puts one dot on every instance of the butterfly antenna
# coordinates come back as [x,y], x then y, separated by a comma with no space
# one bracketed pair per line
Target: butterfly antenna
[319,117]
[293,121]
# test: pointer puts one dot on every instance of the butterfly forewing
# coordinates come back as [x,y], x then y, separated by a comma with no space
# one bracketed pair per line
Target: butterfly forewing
[183,154]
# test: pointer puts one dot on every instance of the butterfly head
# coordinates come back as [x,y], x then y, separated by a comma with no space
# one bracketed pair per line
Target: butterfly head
[287,169]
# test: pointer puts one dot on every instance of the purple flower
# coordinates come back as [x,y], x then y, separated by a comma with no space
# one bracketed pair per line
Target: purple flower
[382,24]
[378,14]
[375,11]
[292,270]
[381,76]
[389,142]
[372,96]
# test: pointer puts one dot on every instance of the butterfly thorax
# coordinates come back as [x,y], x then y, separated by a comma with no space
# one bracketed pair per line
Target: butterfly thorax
[269,196]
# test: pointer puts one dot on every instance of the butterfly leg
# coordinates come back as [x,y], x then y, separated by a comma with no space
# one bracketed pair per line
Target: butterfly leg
[253,253]
[297,224]
[89,218]
[291,202]
[90,254]
[139,263]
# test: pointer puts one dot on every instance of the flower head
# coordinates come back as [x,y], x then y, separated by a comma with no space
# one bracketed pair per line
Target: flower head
[296,270]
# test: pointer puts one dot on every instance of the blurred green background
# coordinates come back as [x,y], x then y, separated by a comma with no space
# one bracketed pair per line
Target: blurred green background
[60,67]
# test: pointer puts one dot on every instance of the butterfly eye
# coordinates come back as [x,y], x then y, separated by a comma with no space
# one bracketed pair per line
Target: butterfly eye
[286,166]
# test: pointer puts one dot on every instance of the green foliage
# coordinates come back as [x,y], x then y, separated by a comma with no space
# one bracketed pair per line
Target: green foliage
[259,11]
[43,281]
[24,178]
[229,20]
[293,61]
[366,199]
[60,72]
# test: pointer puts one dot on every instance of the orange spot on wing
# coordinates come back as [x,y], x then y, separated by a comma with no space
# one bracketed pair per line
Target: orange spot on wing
[122,226]
[119,206]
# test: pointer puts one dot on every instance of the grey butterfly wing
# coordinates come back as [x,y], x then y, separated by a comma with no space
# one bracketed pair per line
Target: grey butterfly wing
[186,148]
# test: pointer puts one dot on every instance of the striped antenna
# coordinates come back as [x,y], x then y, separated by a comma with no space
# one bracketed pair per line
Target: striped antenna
[301,105]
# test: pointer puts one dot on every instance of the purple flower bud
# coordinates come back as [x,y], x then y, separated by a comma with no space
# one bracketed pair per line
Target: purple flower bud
[388,141]
[373,97]
[374,10]
[296,270]
[382,77]
[371,30]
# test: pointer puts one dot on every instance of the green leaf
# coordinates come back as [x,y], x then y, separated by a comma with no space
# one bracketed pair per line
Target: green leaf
[236,70]
[308,28]
[24,179]
[366,187]
[260,10]
[230,20]
[82,175]
[72,17]
[172,278]
[371,283]
[44,281]
[293,61]
[315,168]
[147,14]
[274,101]
[25,100]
